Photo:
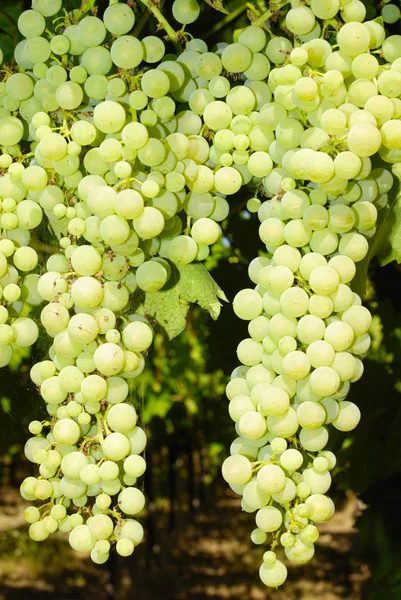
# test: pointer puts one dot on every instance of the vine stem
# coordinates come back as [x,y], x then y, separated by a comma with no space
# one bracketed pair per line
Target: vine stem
[221,24]
[141,24]
[86,6]
[99,428]
[266,15]
[164,23]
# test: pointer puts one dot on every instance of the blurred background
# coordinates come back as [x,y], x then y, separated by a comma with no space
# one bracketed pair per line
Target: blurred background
[197,544]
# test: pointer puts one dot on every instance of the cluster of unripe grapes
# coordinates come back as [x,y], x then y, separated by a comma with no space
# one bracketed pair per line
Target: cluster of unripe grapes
[334,133]
[129,155]
[334,127]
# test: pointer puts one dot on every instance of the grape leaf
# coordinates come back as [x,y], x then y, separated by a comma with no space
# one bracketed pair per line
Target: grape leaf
[188,284]
[386,243]
[156,406]
[390,239]
[218,5]
[58,226]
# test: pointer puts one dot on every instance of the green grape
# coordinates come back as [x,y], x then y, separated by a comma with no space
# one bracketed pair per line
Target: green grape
[228,180]
[109,116]
[138,100]
[391,13]
[153,153]
[97,60]
[254,38]
[31,23]
[47,8]
[354,11]
[96,87]
[19,86]
[121,418]
[300,20]
[60,44]
[91,31]
[219,86]
[127,52]
[154,49]
[155,84]
[185,11]
[38,49]
[325,9]
[56,75]
[208,65]
[276,49]
[25,258]
[117,87]
[197,45]
[353,38]
[119,18]
[11,131]
[236,58]
[175,73]
[69,95]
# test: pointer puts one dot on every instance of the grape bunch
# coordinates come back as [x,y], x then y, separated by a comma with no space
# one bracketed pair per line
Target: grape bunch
[334,138]
[104,141]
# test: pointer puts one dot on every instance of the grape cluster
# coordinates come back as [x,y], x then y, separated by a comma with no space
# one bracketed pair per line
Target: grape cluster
[105,140]
[333,134]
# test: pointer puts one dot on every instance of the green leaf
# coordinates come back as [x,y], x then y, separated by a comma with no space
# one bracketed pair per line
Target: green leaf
[218,5]
[58,226]
[9,35]
[187,284]
[389,248]
[386,243]
[5,404]
[157,406]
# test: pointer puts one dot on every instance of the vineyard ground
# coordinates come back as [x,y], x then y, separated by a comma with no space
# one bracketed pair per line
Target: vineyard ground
[208,557]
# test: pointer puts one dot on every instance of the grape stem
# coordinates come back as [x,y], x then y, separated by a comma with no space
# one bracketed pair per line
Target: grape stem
[275,541]
[266,15]
[164,23]
[115,514]
[141,23]
[86,6]
[221,24]
[99,421]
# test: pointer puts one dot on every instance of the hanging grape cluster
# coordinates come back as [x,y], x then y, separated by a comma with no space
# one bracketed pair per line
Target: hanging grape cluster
[334,127]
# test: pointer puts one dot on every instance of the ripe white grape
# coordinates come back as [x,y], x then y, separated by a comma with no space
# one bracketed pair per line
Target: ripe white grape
[314,439]
[284,425]
[109,359]
[311,415]
[122,417]
[321,508]
[66,431]
[81,539]
[271,479]
[116,446]
[268,519]
[237,470]
[348,417]
[291,459]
